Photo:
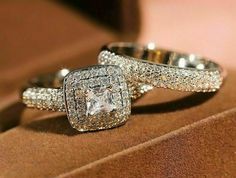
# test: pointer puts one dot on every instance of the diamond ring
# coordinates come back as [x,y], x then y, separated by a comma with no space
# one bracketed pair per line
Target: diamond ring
[150,66]
[94,98]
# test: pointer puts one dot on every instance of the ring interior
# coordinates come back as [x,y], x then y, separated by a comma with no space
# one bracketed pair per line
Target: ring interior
[53,80]
[160,56]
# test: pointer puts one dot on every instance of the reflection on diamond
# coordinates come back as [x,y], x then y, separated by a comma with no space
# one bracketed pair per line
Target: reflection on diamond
[99,100]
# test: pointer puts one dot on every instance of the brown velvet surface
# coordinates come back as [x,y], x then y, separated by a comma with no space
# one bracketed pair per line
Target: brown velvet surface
[200,149]
[170,134]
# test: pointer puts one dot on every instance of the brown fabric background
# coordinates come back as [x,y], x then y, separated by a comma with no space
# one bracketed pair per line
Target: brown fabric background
[170,134]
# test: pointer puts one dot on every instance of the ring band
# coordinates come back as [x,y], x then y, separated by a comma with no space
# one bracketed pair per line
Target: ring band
[162,68]
[94,98]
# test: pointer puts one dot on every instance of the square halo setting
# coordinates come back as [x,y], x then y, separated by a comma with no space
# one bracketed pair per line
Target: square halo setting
[96,98]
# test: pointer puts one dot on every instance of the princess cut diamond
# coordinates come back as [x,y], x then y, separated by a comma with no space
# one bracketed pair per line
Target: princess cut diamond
[99,100]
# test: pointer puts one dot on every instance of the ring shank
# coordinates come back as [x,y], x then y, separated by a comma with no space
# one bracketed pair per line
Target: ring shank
[45,92]
[163,68]
[156,55]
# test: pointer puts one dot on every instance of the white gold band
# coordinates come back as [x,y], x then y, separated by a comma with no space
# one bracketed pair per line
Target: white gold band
[162,68]
[44,98]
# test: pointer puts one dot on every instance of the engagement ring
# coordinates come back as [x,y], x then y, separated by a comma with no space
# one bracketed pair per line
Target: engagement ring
[94,98]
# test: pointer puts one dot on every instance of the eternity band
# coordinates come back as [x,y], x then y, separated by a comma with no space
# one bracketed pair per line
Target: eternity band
[94,98]
[156,67]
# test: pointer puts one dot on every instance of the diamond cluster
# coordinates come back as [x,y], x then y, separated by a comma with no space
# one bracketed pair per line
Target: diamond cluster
[96,98]
[158,75]
[44,98]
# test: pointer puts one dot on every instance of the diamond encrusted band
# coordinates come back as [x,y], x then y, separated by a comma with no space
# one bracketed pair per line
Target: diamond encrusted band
[44,98]
[162,68]
[94,98]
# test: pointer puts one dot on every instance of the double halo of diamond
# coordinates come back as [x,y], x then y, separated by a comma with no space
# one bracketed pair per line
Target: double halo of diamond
[149,66]
[94,98]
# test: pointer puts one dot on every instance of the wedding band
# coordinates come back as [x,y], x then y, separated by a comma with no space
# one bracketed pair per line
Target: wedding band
[94,98]
[158,67]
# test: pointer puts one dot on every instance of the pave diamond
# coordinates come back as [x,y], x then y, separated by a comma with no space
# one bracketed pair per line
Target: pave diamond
[99,100]
[140,72]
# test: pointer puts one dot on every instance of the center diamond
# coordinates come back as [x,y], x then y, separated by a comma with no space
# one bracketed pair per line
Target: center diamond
[99,100]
